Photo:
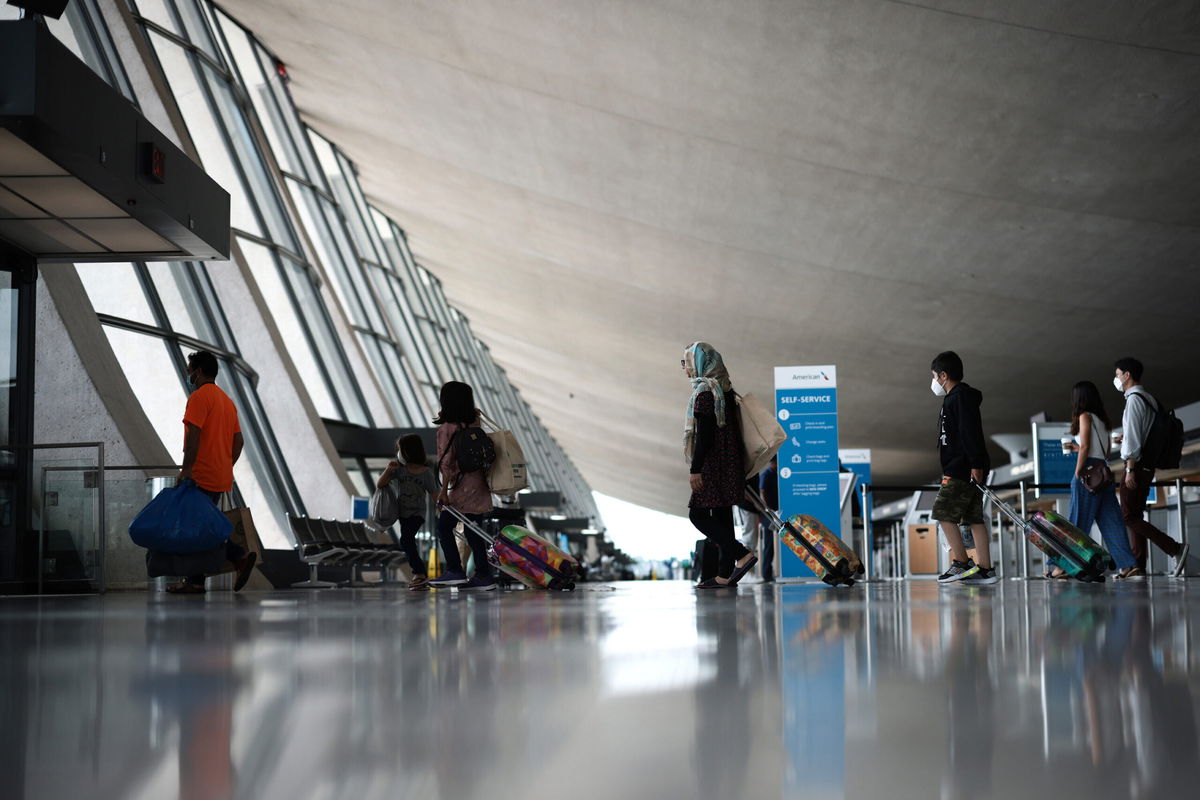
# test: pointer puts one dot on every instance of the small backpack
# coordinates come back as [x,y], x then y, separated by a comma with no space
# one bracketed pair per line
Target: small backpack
[1163,448]
[473,450]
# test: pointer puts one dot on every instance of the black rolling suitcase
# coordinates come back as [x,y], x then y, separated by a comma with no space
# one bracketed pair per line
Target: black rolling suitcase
[706,560]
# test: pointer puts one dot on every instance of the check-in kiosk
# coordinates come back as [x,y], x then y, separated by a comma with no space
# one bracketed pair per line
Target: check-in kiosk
[921,539]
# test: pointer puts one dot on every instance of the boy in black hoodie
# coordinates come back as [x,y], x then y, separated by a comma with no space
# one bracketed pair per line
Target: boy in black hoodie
[964,460]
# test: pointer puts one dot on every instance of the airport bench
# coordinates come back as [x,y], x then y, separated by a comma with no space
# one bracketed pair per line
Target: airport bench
[344,544]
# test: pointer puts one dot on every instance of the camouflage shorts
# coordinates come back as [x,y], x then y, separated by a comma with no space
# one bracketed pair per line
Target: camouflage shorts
[958,501]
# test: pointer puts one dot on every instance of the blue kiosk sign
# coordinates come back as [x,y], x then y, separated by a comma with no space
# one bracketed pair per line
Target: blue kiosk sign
[806,406]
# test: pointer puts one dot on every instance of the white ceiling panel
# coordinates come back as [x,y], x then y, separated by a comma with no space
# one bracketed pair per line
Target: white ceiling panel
[859,182]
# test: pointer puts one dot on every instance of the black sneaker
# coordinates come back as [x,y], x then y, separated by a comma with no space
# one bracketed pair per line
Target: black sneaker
[958,570]
[245,566]
[480,584]
[982,577]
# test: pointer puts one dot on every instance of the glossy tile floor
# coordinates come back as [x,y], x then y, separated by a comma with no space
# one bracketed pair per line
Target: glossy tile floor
[906,690]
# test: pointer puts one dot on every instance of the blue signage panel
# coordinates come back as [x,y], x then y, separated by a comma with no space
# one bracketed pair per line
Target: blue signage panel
[858,462]
[1050,463]
[806,405]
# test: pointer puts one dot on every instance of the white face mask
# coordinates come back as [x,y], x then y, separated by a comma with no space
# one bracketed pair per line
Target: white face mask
[937,388]
[1120,386]
[400,457]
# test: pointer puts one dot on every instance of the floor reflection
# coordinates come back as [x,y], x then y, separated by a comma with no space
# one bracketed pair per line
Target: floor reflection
[898,690]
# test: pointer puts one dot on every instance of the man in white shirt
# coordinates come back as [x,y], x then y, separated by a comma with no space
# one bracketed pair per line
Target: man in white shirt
[1140,409]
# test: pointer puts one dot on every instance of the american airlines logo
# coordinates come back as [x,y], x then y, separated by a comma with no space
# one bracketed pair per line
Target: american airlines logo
[806,377]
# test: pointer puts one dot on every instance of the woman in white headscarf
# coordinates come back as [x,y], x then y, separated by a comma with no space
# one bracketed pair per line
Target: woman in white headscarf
[713,446]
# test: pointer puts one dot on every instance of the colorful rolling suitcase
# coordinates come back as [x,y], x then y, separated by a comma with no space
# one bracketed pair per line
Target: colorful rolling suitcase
[1065,544]
[526,556]
[826,555]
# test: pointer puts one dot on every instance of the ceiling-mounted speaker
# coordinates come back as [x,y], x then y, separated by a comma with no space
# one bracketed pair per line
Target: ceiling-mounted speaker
[49,8]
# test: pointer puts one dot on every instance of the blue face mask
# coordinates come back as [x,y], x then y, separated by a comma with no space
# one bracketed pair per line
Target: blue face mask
[191,382]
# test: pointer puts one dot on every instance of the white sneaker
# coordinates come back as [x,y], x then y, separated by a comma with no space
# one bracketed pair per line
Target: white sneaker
[1180,562]
[985,576]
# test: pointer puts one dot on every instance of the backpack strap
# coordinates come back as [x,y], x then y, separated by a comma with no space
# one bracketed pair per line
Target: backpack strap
[449,449]
[1145,397]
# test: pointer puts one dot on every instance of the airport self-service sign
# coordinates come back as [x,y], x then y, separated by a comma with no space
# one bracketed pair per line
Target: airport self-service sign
[806,406]
[858,461]
[1050,463]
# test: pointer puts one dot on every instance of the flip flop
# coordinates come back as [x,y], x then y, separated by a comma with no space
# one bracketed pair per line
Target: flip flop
[712,583]
[739,572]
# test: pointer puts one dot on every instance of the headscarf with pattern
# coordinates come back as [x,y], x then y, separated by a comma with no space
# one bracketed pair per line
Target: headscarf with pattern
[707,371]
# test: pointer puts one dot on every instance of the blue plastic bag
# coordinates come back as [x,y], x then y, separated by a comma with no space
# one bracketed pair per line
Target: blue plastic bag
[180,520]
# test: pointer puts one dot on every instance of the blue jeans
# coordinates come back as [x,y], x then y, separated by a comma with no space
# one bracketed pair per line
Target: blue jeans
[1101,508]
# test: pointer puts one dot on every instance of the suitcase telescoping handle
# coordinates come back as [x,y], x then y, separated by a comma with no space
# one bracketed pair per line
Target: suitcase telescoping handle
[469,525]
[1051,541]
[1004,507]
[777,521]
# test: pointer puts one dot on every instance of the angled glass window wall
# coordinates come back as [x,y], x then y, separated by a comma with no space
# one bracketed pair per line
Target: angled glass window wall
[153,315]
[334,213]
[236,103]
[221,116]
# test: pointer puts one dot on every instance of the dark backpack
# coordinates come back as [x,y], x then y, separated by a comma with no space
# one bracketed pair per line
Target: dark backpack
[1163,448]
[473,450]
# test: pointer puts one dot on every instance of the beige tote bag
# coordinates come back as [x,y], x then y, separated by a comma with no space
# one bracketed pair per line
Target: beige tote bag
[762,435]
[509,473]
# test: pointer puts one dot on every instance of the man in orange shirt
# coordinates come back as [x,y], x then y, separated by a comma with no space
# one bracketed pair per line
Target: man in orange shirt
[212,443]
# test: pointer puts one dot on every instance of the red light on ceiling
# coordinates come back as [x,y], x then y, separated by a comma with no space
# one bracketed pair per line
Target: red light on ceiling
[281,69]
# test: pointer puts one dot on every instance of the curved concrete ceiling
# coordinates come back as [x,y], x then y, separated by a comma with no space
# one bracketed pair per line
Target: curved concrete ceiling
[859,182]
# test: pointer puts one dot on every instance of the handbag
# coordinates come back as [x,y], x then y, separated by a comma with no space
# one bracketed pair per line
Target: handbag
[762,436]
[384,508]
[508,473]
[180,519]
[1097,477]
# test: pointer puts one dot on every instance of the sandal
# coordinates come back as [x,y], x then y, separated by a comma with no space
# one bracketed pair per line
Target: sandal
[740,572]
[1131,574]
[183,587]
[713,583]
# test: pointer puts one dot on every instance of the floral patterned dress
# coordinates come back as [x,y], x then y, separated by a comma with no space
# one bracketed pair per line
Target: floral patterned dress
[719,455]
